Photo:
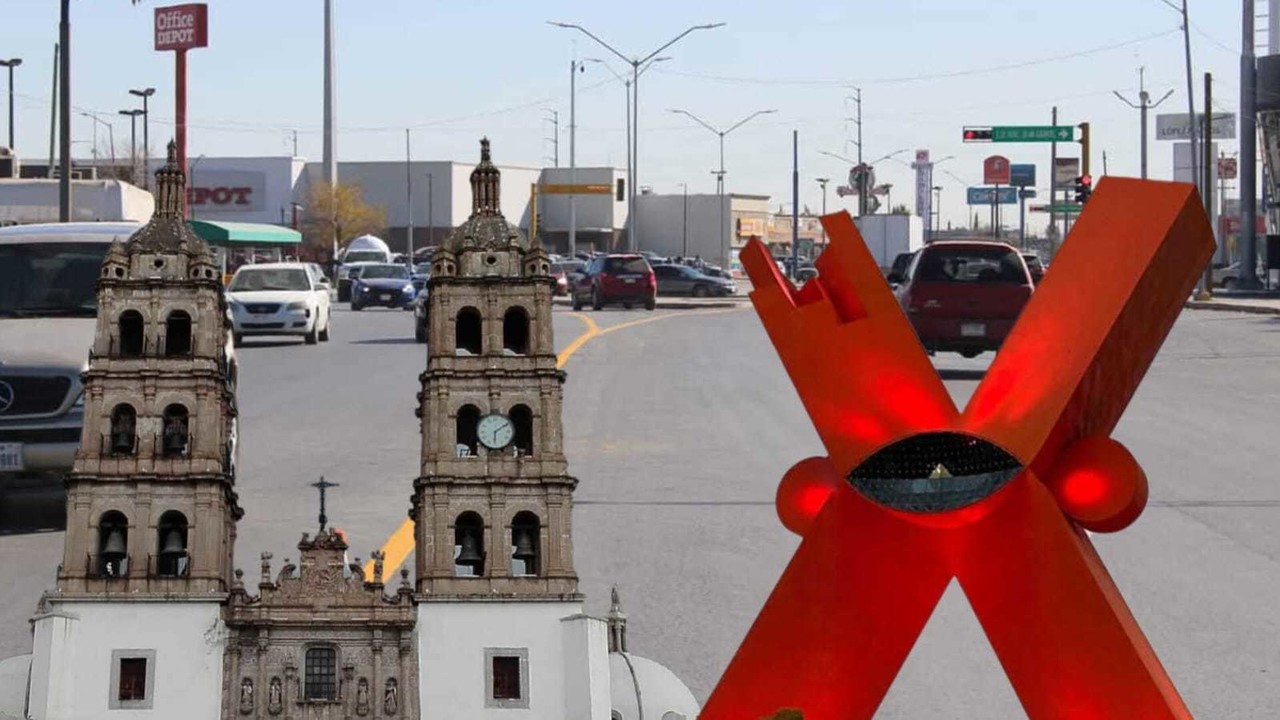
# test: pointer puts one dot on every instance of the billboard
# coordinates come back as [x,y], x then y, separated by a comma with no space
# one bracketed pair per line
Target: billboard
[988,195]
[182,27]
[995,170]
[232,191]
[1022,175]
[1177,126]
[1066,170]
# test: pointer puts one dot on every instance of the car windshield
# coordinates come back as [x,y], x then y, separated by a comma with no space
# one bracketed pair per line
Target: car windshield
[353,256]
[422,269]
[376,272]
[626,265]
[50,279]
[269,279]
[971,264]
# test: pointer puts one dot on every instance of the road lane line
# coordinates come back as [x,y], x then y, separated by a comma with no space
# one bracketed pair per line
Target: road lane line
[400,544]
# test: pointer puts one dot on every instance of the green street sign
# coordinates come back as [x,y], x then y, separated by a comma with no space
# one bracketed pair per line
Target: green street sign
[1033,133]
[1061,208]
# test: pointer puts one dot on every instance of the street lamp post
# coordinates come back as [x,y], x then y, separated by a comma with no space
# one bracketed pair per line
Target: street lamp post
[870,165]
[684,227]
[936,220]
[823,182]
[11,64]
[146,135]
[635,63]
[133,143]
[431,213]
[111,138]
[724,251]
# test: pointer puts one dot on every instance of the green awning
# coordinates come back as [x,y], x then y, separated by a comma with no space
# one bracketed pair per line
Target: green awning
[238,233]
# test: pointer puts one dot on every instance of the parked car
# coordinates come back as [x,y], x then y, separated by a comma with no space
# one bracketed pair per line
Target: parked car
[964,296]
[681,280]
[1034,266]
[420,317]
[625,279]
[899,268]
[384,285]
[279,299]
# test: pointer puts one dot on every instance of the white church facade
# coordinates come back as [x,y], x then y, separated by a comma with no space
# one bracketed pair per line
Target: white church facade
[150,619]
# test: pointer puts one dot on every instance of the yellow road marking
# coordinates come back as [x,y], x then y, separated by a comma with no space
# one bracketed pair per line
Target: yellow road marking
[400,544]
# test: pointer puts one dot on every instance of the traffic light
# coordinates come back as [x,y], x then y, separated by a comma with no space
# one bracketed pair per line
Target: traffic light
[977,134]
[1084,188]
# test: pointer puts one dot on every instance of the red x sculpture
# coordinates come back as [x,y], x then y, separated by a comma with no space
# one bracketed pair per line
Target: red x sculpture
[914,492]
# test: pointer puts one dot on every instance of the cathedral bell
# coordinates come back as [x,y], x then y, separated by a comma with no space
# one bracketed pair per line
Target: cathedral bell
[122,441]
[470,555]
[113,551]
[175,440]
[173,546]
[524,546]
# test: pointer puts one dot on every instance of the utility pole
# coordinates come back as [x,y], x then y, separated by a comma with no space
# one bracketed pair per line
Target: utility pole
[823,182]
[1191,96]
[431,214]
[862,177]
[53,109]
[1053,181]
[11,64]
[555,137]
[408,191]
[146,135]
[684,231]
[1206,289]
[295,143]
[329,157]
[1143,105]
[575,67]
[1248,151]
[64,114]
[795,202]
[133,143]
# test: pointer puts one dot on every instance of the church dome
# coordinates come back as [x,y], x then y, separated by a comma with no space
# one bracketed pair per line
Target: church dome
[639,683]
[486,228]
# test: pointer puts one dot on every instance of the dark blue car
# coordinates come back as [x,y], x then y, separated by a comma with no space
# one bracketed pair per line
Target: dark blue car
[382,285]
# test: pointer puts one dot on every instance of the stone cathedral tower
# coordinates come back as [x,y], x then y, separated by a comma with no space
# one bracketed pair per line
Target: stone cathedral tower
[492,504]
[151,505]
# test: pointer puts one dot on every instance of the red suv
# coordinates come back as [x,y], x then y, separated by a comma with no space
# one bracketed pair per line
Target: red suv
[964,296]
[615,279]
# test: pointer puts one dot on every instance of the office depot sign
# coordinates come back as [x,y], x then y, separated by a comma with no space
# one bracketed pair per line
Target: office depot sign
[182,27]
[229,191]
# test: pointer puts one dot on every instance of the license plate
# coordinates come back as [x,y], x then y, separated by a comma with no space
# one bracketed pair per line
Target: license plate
[973,329]
[11,457]
[629,280]
[385,296]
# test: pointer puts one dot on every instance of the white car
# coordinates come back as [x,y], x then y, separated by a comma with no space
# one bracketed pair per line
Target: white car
[279,299]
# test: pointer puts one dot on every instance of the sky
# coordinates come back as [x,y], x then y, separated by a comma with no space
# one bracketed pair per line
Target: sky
[454,71]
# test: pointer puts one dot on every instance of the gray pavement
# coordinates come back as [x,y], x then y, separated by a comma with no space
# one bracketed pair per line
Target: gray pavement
[679,429]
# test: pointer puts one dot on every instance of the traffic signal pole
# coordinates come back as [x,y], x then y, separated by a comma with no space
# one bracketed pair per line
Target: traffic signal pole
[1053,181]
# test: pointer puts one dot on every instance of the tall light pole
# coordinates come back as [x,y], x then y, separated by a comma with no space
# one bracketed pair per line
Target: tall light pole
[823,182]
[724,251]
[11,64]
[146,135]
[684,228]
[329,152]
[111,137]
[64,112]
[1143,105]
[936,220]
[575,67]
[555,134]
[408,192]
[872,164]
[1248,152]
[431,213]
[133,144]
[626,81]
[862,182]
[635,63]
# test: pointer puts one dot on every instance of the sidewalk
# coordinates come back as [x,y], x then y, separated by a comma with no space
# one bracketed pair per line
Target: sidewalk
[1260,306]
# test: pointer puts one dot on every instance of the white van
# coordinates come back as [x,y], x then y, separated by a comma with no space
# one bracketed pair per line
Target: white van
[48,317]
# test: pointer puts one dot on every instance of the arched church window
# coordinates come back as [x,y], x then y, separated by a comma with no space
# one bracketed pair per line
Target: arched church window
[176,440]
[515,331]
[468,545]
[468,333]
[132,334]
[321,673]
[526,541]
[522,420]
[113,545]
[177,334]
[466,437]
[172,559]
[124,430]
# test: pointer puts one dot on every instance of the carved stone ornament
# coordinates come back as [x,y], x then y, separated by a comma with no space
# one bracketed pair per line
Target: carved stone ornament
[246,697]
[391,698]
[362,697]
[275,697]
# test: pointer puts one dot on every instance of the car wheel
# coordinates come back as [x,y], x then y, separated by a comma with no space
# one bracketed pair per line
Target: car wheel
[651,303]
[970,354]
[577,303]
[626,306]
[324,334]
[700,291]
[313,336]
[597,302]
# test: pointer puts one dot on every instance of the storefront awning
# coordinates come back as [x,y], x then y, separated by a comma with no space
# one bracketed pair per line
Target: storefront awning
[248,234]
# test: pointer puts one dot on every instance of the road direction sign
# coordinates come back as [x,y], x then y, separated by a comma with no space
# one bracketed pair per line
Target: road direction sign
[1033,133]
[985,195]
[1060,208]
[1022,174]
[995,170]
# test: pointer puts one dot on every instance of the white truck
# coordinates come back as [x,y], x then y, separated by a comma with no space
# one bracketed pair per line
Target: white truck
[362,250]
[888,236]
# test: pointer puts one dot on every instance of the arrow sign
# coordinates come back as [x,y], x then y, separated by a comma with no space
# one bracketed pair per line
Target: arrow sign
[1033,133]
[1060,208]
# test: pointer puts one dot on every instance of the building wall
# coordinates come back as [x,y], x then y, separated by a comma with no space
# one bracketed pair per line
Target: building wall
[662,225]
[453,636]
[71,669]
[247,189]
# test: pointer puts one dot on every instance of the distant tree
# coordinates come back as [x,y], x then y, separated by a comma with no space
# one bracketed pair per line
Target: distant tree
[340,212]
[899,210]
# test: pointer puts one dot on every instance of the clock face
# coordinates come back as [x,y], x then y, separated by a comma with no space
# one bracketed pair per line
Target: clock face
[495,431]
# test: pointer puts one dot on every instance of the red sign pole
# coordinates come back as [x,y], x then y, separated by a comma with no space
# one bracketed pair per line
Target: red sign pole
[180,115]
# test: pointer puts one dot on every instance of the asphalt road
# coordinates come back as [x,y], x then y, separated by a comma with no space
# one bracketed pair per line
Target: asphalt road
[679,429]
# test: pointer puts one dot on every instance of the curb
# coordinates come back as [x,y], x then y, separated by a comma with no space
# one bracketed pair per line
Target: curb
[678,304]
[1232,307]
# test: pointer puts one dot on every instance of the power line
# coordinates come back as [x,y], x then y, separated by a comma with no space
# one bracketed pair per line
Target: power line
[929,76]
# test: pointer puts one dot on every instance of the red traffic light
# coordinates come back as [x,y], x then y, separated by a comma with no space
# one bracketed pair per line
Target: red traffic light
[977,134]
[1086,180]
